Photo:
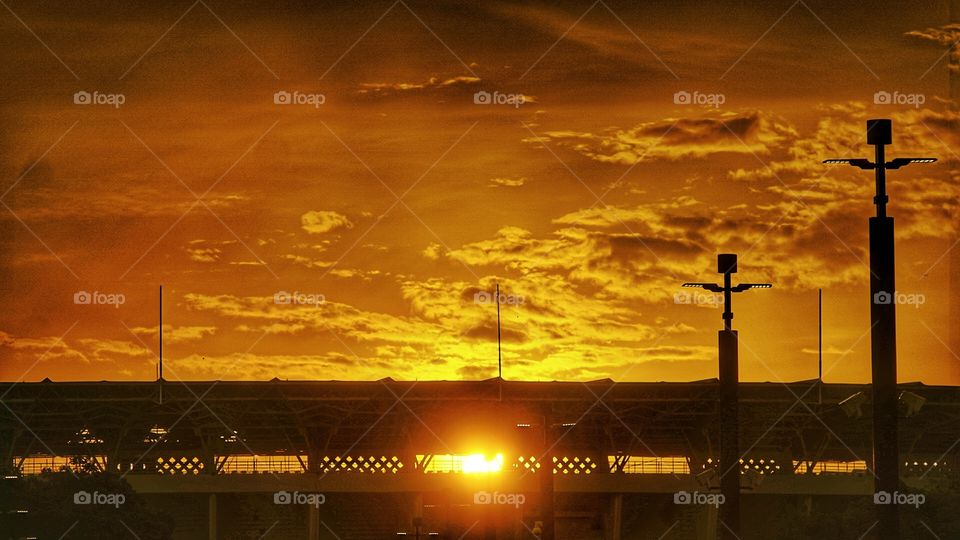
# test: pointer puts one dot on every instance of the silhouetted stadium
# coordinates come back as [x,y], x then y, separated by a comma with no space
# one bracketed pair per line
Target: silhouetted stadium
[233,459]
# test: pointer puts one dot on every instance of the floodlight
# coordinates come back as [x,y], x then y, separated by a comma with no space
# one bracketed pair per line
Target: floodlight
[851,405]
[912,401]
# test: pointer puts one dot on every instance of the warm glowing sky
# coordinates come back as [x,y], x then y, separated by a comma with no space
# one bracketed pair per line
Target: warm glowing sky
[593,202]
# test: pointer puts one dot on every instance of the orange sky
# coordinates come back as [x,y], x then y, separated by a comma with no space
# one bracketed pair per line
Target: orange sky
[399,199]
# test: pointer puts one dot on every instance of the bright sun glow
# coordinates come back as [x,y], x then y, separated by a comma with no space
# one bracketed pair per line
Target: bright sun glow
[478,464]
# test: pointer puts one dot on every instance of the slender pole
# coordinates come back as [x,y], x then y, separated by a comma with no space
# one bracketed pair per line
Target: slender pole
[820,347]
[729,435]
[727,308]
[883,341]
[546,479]
[160,338]
[499,355]
[160,333]
[729,376]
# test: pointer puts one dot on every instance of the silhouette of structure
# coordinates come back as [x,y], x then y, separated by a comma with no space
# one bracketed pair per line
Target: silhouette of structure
[729,373]
[954,268]
[373,457]
[883,318]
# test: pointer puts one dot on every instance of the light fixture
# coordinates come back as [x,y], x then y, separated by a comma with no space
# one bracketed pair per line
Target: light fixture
[851,405]
[913,402]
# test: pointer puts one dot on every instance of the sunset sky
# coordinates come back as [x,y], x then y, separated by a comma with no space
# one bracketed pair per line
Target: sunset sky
[398,198]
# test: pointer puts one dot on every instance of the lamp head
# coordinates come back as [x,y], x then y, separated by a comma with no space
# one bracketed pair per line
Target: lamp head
[727,263]
[879,131]
[902,161]
[857,162]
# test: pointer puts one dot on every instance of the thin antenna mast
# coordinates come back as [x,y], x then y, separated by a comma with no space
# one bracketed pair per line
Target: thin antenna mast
[820,347]
[499,354]
[160,337]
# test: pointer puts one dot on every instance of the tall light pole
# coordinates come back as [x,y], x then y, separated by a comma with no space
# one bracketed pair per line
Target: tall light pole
[883,317]
[729,375]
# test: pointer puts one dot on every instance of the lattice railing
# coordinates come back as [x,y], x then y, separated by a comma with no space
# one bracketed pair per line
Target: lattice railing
[179,465]
[363,464]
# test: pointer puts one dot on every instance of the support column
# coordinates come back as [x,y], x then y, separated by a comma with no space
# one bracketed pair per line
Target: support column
[616,514]
[212,516]
[729,435]
[954,273]
[546,478]
[313,522]
[707,523]
[883,342]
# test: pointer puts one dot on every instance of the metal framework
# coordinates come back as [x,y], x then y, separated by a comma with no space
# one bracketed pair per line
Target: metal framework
[382,426]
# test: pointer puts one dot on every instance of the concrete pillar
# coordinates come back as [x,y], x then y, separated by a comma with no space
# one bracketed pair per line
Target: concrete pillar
[313,522]
[212,515]
[616,516]
[707,522]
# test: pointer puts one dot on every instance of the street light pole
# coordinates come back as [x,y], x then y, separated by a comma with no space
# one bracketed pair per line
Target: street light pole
[883,333]
[729,376]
